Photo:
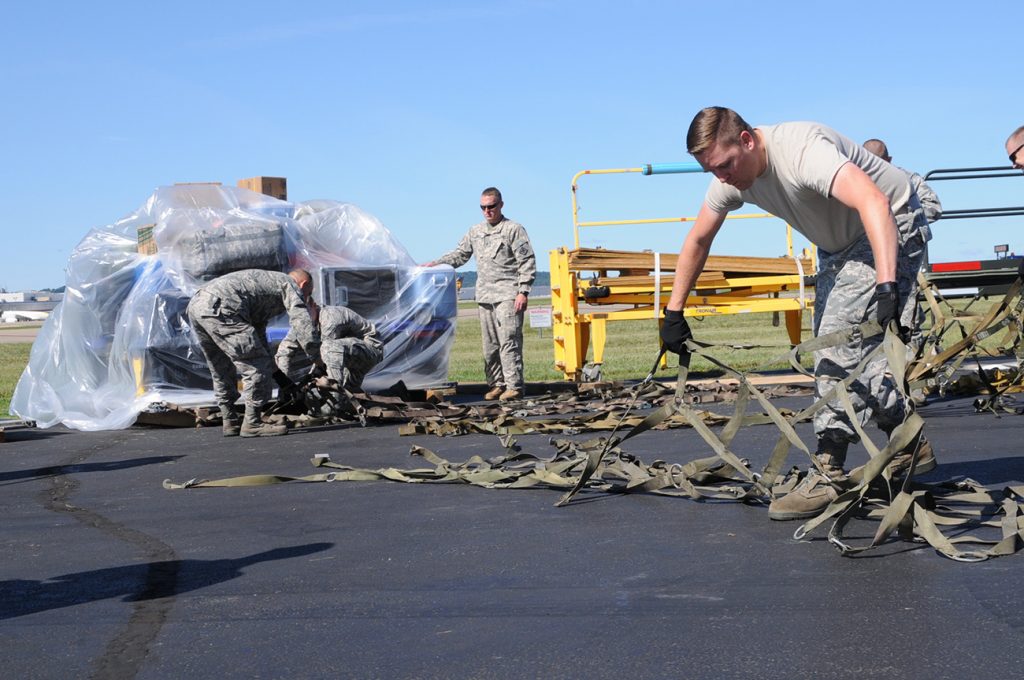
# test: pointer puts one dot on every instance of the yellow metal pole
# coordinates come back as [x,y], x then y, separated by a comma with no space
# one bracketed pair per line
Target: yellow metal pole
[599,328]
[569,329]
[575,206]
[664,220]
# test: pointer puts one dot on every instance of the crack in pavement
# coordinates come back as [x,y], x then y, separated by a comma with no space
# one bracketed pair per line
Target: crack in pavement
[128,649]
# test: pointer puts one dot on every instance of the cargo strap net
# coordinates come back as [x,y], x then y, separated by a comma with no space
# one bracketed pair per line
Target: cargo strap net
[937,513]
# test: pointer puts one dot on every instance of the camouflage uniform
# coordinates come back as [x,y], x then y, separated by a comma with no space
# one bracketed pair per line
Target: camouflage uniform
[932,211]
[802,161]
[229,316]
[350,347]
[506,266]
[927,196]
[844,297]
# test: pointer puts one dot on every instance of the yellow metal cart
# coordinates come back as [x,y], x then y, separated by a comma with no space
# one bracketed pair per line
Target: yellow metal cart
[591,287]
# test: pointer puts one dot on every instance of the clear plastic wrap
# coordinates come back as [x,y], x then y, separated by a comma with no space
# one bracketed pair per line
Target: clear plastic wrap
[120,340]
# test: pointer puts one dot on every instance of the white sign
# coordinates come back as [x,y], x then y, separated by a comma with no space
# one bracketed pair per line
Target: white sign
[540,317]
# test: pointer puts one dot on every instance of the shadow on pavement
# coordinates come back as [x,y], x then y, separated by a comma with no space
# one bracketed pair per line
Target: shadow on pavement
[28,434]
[110,466]
[990,472]
[133,583]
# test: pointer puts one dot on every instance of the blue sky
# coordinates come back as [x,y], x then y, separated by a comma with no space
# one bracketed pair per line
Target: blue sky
[409,109]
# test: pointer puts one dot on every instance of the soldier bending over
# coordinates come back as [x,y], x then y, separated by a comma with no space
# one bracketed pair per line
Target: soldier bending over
[229,316]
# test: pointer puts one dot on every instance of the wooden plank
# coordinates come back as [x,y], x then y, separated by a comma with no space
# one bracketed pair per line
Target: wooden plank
[599,259]
[706,279]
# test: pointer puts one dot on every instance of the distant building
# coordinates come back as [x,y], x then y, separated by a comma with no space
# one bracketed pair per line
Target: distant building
[27,305]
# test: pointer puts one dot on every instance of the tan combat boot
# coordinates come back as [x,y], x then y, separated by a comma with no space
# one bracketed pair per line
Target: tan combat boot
[253,425]
[494,393]
[813,494]
[510,394]
[230,422]
[919,449]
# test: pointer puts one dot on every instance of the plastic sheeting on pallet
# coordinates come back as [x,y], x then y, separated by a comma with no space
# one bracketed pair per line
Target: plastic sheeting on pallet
[120,340]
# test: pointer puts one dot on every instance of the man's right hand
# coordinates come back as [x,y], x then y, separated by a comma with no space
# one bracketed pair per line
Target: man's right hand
[675,332]
[286,389]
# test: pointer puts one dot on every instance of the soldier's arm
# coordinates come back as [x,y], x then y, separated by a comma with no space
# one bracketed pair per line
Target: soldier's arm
[299,321]
[693,254]
[929,199]
[359,326]
[369,331]
[526,261]
[460,255]
[854,189]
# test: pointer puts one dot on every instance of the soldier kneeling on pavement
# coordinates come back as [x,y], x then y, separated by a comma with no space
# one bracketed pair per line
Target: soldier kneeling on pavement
[229,316]
[349,347]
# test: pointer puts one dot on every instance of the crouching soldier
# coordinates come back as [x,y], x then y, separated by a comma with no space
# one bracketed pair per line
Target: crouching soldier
[349,346]
[229,316]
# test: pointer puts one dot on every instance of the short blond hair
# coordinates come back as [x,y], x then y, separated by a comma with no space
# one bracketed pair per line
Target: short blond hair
[715,124]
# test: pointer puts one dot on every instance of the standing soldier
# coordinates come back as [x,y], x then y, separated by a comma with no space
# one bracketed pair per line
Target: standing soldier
[229,316]
[506,268]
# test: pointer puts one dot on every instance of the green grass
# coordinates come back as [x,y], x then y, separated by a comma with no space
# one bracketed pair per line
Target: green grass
[629,352]
[631,347]
[13,360]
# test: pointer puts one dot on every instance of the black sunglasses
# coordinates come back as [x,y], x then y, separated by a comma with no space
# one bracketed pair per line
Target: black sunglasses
[1013,155]
[492,206]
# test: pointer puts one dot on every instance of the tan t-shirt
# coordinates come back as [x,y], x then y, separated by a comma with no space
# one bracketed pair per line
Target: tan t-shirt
[803,159]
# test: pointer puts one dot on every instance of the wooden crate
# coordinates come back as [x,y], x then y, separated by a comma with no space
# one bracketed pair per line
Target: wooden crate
[147,244]
[271,186]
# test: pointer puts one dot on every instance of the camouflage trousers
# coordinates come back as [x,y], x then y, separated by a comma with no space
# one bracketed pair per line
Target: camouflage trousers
[348,360]
[233,348]
[844,297]
[502,332]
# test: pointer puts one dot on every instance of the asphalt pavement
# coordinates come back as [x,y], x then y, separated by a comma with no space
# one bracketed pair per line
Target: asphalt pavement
[106,574]
[18,332]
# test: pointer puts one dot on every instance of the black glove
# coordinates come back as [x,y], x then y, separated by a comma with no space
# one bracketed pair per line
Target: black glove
[285,387]
[887,307]
[675,332]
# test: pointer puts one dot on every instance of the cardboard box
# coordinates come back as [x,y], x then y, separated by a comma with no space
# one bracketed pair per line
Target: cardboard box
[147,244]
[271,186]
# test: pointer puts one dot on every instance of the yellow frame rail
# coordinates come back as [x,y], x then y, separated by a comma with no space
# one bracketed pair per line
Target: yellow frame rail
[575,328]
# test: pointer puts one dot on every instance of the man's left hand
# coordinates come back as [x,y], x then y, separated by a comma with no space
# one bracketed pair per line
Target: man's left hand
[521,301]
